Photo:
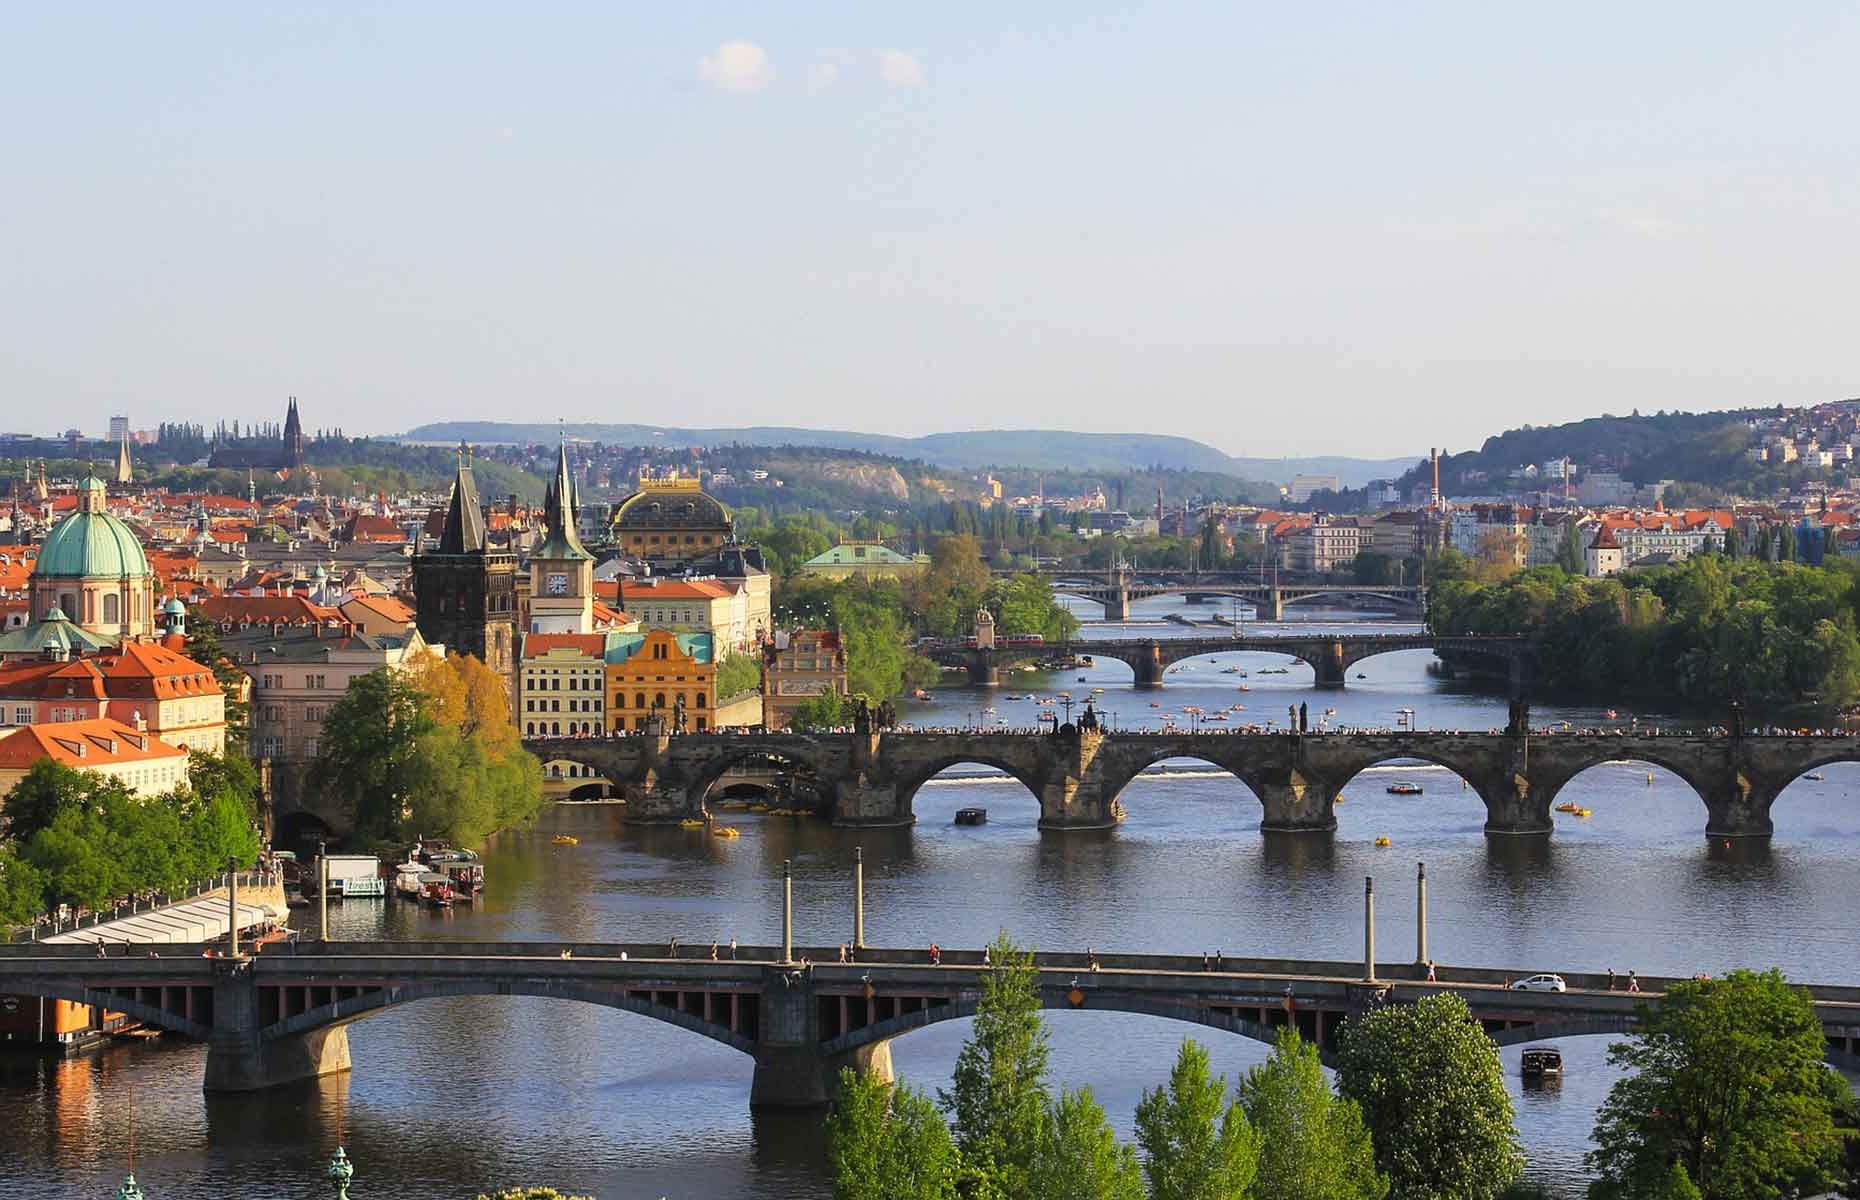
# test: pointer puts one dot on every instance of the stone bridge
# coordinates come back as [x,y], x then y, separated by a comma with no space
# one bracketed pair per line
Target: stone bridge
[275,1018]
[872,779]
[1115,590]
[1330,655]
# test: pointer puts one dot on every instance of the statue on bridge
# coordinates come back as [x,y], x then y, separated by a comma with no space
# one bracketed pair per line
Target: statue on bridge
[862,716]
[887,715]
[1088,720]
[1737,718]
[678,714]
[1520,722]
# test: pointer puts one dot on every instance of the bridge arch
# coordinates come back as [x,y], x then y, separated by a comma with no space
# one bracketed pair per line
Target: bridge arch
[1636,755]
[912,780]
[1095,1001]
[129,1006]
[803,756]
[1119,778]
[348,1010]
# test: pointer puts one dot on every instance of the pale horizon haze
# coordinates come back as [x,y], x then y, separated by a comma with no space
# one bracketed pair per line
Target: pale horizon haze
[1354,229]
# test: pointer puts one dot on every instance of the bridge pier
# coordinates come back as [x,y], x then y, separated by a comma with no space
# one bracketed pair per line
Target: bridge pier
[1147,666]
[791,1069]
[239,1060]
[863,804]
[1739,808]
[983,672]
[1515,806]
[656,803]
[1117,605]
[1330,666]
[1275,605]
[1296,804]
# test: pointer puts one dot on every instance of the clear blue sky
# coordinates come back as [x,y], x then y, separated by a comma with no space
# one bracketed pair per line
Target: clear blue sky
[1355,228]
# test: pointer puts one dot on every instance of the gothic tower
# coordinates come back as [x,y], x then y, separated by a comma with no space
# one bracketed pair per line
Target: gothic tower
[561,570]
[293,439]
[465,592]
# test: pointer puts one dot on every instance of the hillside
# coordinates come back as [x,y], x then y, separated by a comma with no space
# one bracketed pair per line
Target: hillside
[1032,449]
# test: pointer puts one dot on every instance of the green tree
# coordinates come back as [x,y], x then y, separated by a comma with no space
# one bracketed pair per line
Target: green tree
[1433,1095]
[1313,1145]
[369,750]
[22,889]
[886,1142]
[48,788]
[231,774]
[1733,543]
[738,675]
[999,1099]
[1196,1145]
[1569,548]
[1727,1081]
[220,829]
[825,711]
[204,648]
[1080,1157]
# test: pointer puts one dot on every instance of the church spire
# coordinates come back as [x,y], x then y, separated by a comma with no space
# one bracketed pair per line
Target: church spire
[563,542]
[464,530]
[123,474]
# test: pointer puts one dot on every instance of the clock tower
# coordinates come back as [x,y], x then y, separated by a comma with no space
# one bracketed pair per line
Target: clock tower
[561,569]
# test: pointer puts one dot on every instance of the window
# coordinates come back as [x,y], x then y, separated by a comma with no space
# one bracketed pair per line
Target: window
[313,712]
[310,747]
[619,699]
[639,700]
[274,713]
[700,700]
[110,609]
[315,682]
[271,681]
[700,720]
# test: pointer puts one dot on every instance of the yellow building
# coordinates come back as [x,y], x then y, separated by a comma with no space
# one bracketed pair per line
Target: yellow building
[648,674]
[670,520]
[560,684]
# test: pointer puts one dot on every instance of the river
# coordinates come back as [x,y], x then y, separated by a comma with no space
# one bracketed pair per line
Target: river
[449,1096]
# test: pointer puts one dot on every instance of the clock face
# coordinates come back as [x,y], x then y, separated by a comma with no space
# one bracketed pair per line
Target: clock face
[558,585]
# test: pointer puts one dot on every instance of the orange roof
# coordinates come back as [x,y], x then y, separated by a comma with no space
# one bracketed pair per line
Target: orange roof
[149,668]
[590,645]
[265,610]
[603,615]
[387,606]
[78,678]
[101,742]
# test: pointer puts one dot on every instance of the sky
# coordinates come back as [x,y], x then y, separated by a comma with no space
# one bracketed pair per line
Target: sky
[1348,228]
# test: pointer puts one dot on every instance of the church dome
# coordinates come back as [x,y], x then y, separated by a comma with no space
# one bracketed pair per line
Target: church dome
[656,508]
[90,543]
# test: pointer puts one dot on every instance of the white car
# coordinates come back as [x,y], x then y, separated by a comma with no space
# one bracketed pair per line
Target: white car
[1541,983]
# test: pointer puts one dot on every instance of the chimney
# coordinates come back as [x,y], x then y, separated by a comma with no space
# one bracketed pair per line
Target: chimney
[141,722]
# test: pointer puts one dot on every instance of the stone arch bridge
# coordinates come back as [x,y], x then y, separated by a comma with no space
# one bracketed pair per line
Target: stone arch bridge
[1330,655]
[275,1018]
[872,779]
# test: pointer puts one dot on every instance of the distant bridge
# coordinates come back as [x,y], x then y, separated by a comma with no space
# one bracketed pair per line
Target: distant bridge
[276,1018]
[1076,776]
[1330,655]
[1115,590]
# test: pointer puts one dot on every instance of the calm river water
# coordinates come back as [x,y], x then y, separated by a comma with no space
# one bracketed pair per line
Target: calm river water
[450,1096]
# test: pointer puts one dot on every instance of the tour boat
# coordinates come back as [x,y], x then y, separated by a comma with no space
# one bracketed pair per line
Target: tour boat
[971,816]
[407,879]
[1404,789]
[1539,1061]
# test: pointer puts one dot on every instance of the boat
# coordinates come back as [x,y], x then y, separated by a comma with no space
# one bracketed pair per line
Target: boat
[1097,691]
[563,839]
[1082,679]
[437,893]
[971,816]
[1382,841]
[1540,1061]
[725,831]
[1568,806]
[1330,712]
[1817,776]
[407,879]
[1404,789]
[1360,675]
[690,823]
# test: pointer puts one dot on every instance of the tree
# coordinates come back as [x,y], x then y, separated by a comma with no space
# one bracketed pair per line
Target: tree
[1733,543]
[1727,1083]
[231,774]
[1208,554]
[22,889]
[49,787]
[1192,1149]
[738,675]
[887,1142]
[1313,1145]
[1433,1095]
[368,749]
[825,711]
[1569,549]
[1000,1096]
[1080,1157]
[204,648]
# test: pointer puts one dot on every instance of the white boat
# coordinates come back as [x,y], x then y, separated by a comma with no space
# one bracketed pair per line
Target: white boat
[407,879]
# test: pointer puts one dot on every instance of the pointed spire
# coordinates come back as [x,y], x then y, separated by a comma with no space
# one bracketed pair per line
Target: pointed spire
[464,529]
[563,542]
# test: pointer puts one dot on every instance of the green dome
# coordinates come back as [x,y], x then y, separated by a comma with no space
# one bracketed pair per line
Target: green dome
[91,545]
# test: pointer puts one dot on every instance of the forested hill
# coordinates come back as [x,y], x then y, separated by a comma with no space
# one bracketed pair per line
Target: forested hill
[1692,447]
[1033,449]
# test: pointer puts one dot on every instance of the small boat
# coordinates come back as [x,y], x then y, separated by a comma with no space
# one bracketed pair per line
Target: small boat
[1569,806]
[1610,714]
[1404,789]
[971,816]
[1382,841]
[1330,712]
[1817,776]
[1097,691]
[725,831]
[1360,675]
[1539,1061]
[563,839]
[690,823]
[437,893]
[1082,679]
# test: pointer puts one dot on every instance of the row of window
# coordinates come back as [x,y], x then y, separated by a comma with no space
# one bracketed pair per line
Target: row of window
[556,705]
[557,729]
[314,683]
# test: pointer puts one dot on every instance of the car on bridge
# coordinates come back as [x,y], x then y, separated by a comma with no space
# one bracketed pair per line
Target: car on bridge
[1541,983]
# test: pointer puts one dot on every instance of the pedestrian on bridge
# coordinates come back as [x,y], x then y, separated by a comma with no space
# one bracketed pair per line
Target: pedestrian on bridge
[1611,979]
[1633,982]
